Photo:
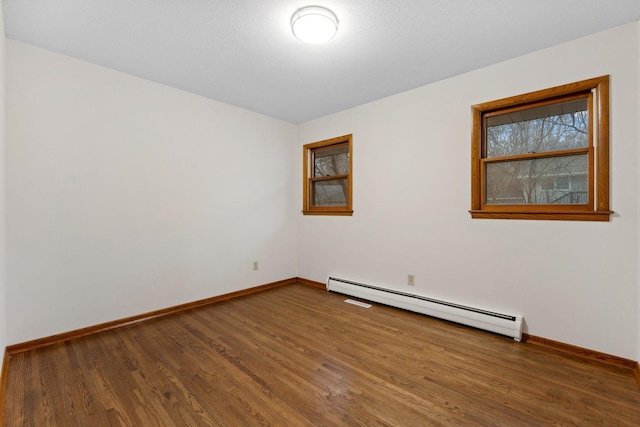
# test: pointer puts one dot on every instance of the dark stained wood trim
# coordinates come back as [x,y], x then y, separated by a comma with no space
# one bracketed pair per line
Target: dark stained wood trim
[328,212]
[307,150]
[3,383]
[603,145]
[561,216]
[107,326]
[636,372]
[313,284]
[476,155]
[592,355]
[600,182]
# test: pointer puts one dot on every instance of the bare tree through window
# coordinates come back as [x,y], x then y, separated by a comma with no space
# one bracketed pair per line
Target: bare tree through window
[545,180]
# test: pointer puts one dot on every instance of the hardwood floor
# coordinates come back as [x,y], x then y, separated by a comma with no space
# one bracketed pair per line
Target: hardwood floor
[298,356]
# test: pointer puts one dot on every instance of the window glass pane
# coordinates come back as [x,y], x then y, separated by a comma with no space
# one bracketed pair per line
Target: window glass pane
[329,193]
[561,126]
[332,161]
[559,180]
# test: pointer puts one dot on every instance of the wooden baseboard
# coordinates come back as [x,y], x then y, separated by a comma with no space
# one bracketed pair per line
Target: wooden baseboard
[3,383]
[584,353]
[594,356]
[311,283]
[107,326]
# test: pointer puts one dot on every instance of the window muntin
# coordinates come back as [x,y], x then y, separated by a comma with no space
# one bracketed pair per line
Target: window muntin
[543,155]
[327,184]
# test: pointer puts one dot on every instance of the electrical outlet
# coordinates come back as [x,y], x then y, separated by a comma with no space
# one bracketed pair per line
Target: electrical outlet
[255,265]
[411,280]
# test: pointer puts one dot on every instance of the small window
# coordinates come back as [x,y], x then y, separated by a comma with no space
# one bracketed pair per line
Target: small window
[327,184]
[543,155]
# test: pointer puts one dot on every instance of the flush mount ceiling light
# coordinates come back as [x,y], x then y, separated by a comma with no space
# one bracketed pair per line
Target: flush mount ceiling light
[314,24]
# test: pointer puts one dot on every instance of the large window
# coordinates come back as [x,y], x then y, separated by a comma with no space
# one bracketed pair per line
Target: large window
[543,155]
[327,177]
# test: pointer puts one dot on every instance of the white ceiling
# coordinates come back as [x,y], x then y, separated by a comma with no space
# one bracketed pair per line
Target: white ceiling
[242,52]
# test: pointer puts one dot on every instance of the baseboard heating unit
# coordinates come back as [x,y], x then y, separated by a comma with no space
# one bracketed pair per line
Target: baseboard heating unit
[499,323]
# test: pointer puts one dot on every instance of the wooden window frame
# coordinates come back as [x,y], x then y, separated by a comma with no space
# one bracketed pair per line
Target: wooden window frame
[597,209]
[308,179]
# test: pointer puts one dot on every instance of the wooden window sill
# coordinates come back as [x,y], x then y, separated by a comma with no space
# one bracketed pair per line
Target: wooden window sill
[559,215]
[328,212]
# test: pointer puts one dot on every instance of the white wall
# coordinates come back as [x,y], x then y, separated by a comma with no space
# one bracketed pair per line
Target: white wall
[125,196]
[638,141]
[575,282]
[3,283]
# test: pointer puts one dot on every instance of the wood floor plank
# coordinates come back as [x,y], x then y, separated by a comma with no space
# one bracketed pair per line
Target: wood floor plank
[299,356]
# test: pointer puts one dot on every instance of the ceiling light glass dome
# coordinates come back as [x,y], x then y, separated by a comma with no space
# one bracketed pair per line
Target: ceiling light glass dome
[314,24]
